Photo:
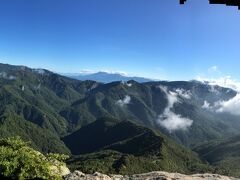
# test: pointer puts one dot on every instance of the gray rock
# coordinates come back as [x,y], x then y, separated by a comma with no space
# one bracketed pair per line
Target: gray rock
[157,175]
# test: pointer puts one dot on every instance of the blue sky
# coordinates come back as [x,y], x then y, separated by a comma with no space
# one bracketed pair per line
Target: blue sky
[153,38]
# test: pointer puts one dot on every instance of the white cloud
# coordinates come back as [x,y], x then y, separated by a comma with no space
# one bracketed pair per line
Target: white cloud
[171,96]
[231,106]
[213,89]
[129,84]
[226,81]
[169,119]
[206,105]
[39,71]
[11,77]
[115,72]
[172,121]
[87,71]
[183,93]
[126,83]
[4,75]
[213,69]
[125,101]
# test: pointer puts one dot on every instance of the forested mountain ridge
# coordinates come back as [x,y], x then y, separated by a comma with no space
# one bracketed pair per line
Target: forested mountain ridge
[112,146]
[224,153]
[44,101]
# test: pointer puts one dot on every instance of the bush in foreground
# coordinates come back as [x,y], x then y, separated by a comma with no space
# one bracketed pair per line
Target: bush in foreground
[19,161]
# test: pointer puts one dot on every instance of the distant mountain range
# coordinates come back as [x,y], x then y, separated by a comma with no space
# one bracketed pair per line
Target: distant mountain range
[105,77]
[96,121]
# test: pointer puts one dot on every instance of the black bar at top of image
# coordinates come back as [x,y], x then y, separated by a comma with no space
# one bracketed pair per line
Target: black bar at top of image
[226,2]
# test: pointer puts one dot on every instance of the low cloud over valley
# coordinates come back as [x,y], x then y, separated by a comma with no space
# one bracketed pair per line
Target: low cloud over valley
[170,120]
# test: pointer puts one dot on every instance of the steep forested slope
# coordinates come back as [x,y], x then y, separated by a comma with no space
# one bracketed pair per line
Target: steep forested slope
[31,100]
[112,146]
[224,153]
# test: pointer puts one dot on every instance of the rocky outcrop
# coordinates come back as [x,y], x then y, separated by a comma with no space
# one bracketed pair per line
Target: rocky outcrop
[60,169]
[158,175]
